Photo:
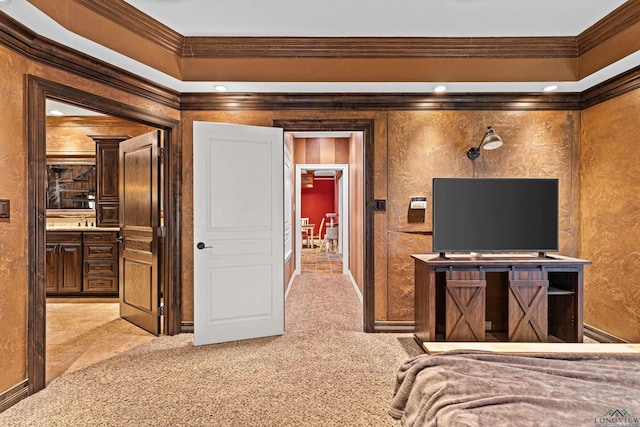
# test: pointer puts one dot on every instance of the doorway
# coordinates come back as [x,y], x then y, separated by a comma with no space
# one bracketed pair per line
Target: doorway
[334,219]
[38,91]
[364,263]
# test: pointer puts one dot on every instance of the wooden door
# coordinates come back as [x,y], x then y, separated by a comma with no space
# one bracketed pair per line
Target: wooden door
[139,224]
[528,306]
[465,306]
[108,179]
[238,232]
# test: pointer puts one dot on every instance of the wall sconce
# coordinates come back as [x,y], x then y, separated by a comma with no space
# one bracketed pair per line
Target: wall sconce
[490,141]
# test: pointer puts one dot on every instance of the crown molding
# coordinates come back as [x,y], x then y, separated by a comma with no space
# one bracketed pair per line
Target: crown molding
[127,16]
[379,101]
[619,20]
[380,47]
[22,40]
[619,85]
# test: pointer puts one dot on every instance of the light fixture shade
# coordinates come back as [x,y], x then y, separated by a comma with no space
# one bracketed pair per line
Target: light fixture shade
[490,141]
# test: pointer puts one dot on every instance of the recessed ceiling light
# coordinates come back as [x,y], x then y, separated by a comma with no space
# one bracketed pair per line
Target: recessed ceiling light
[550,88]
[441,88]
[56,113]
[221,88]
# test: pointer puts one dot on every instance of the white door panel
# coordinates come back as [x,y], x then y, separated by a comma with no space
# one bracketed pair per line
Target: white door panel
[238,218]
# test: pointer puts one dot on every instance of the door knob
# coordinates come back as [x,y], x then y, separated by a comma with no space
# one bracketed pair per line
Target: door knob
[201,245]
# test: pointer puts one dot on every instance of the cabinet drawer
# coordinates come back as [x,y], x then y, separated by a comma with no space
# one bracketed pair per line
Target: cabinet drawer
[63,237]
[107,267]
[105,236]
[108,250]
[100,284]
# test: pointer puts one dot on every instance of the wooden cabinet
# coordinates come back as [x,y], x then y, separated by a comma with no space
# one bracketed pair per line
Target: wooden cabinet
[100,251]
[531,299]
[108,179]
[63,263]
[82,263]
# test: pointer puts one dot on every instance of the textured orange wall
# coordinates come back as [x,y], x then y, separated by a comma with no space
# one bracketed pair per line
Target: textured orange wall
[72,133]
[424,145]
[13,233]
[611,215]
[13,186]
[260,118]
[417,147]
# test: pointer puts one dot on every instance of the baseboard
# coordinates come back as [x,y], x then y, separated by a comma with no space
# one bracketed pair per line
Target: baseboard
[600,335]
[355,286]
[293,276]
[401,327]
[14,395]
[186,326]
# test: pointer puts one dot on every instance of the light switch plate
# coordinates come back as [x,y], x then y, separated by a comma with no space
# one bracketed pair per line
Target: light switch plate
[5,208]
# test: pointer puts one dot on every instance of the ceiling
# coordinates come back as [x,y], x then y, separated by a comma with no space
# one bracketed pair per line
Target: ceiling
[380,18]
[337,19]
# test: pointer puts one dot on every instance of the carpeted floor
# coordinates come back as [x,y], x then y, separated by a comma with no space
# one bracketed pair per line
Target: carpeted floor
[324,371]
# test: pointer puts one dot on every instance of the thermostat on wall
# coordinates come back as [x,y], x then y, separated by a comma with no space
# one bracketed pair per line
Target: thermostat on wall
[418,203]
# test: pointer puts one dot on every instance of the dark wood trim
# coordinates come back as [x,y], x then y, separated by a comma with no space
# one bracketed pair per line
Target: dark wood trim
[379,101]
[14,395]
[127,16]
[36,310]
[38,90]
[395,326]
[187,326]
[616,22]
[600,335]
[22,40]
[380,47]
[616,86]
[365,126]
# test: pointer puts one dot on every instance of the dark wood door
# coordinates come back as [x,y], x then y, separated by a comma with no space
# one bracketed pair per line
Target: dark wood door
[64,263]
[108,179]
[139,224]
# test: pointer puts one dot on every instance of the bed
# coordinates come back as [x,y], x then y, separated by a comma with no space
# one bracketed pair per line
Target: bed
[482,388]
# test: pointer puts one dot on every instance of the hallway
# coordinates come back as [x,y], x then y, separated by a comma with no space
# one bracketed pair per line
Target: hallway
[316,261]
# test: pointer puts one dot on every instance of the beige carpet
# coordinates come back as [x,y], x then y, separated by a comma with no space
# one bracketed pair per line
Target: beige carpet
[324,371]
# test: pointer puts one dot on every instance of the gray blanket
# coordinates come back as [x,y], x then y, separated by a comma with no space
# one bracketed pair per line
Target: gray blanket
[473,388]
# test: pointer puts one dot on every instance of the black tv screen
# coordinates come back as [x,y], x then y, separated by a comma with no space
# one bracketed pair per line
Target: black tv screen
[495,215]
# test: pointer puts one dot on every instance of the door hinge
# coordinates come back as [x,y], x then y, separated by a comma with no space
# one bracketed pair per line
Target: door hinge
[161,310]
[161,152]
[162,231]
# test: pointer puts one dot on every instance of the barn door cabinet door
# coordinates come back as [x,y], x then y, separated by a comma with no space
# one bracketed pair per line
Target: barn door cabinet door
[108,181]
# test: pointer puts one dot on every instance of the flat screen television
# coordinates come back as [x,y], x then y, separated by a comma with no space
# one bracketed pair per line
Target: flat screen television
[495,215]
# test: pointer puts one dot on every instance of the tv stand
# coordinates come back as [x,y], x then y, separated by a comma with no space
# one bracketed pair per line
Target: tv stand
[527,299]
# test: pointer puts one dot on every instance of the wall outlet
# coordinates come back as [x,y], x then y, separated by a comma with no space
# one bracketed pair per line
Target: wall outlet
[487,325]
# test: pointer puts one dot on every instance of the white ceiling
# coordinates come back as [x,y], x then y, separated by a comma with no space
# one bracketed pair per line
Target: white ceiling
[400,18]
[349,18]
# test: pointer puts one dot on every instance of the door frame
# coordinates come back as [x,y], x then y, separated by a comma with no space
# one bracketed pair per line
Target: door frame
[38,91]
[366,126]
[343,205]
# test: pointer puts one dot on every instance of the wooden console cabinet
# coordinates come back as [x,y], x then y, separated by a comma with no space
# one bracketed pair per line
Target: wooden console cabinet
[82,263]
[527,299]
[63,262]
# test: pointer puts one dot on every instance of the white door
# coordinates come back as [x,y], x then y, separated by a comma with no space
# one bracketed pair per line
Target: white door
[238,223]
